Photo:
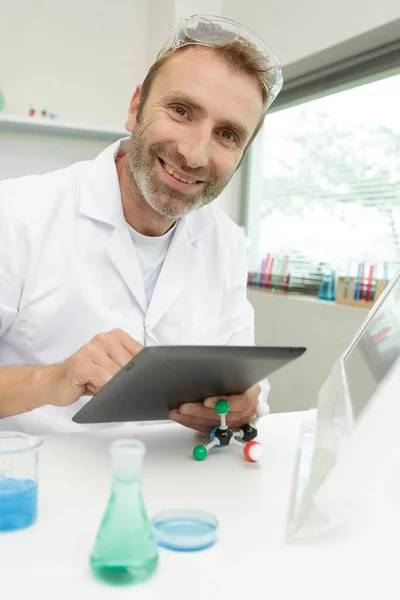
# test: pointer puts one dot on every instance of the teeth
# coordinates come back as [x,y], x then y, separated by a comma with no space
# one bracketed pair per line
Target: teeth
[176,175]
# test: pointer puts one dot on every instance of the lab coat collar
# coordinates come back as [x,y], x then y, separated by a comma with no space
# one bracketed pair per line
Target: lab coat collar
[100,192]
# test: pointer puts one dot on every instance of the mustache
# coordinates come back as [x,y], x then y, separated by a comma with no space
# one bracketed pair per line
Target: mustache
[176,159]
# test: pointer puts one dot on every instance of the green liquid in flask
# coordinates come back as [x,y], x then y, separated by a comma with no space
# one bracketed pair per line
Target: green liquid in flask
[125,551]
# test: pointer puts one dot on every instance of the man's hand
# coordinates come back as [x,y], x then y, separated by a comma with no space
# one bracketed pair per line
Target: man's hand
[203,417]
[89,369]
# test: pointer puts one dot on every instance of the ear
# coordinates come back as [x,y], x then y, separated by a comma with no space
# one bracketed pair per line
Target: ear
[133,109]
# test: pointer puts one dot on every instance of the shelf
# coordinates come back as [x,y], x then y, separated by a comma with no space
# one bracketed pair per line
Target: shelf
[57,127]
[291,296]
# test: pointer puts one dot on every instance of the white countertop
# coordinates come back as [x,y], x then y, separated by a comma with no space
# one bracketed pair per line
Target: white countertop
[251,558]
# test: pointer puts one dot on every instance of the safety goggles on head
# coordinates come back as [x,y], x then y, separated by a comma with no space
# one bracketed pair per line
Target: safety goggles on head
[208,30]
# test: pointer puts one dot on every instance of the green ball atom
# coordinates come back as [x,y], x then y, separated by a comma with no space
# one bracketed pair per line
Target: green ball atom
[200,452]
[222,407]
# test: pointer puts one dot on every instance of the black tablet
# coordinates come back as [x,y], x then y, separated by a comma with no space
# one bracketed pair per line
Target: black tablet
[163,377]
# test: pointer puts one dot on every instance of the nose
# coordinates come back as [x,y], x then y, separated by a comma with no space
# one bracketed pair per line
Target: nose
[195,147]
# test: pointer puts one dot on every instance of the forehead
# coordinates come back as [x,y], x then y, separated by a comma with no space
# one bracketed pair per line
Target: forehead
[223,91]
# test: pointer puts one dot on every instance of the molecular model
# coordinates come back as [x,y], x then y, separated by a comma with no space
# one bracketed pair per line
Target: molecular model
[223,436]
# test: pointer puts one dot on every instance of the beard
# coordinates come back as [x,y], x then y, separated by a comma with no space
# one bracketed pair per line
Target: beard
[165,200]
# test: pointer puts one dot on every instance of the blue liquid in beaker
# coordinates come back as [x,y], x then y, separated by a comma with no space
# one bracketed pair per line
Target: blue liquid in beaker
[18,503]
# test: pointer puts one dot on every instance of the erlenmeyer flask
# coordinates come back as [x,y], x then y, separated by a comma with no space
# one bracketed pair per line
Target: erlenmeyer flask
[125,550]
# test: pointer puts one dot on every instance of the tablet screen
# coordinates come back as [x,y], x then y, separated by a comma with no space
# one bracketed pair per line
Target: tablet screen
[375,351]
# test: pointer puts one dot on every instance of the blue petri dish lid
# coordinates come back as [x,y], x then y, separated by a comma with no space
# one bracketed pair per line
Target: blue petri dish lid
[185,529]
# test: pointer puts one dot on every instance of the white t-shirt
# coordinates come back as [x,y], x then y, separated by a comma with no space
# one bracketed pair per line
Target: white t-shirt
[151,252]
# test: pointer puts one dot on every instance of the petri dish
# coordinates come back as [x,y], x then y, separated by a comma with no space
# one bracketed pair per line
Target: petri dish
[185,530]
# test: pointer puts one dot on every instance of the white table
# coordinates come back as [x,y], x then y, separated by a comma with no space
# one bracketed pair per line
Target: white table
[251,558]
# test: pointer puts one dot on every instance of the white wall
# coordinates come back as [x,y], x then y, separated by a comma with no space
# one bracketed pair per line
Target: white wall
[36,154]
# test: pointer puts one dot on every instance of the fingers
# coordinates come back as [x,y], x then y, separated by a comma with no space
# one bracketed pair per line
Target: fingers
[199,424]
[99,360]
[119,355]
[191,423]
[118,345]
[240,403]
[196,416]
[129,344]
[198,410]
[208,416]
[87,371]
[203,417]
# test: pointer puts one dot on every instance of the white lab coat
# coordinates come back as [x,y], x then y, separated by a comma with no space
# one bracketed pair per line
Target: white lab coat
[68,270]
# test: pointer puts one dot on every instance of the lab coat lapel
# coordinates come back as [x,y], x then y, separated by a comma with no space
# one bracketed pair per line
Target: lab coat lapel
[177,269]
[122,253]
[101,201]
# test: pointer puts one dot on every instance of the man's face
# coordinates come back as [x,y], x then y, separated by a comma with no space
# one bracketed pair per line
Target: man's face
[192,131]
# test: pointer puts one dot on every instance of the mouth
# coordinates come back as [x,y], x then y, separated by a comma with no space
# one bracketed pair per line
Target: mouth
[177,179]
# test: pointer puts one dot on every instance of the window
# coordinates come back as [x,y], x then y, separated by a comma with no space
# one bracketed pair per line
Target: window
[324,186]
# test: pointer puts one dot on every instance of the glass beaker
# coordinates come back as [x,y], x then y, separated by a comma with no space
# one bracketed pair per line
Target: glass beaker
[327,290]
[125,550]
[18,480]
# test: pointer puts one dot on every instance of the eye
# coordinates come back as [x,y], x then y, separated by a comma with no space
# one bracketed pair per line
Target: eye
[179,110]
[228,136]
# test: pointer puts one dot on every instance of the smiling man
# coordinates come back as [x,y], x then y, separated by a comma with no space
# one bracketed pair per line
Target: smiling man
[189,134]
[104,257]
